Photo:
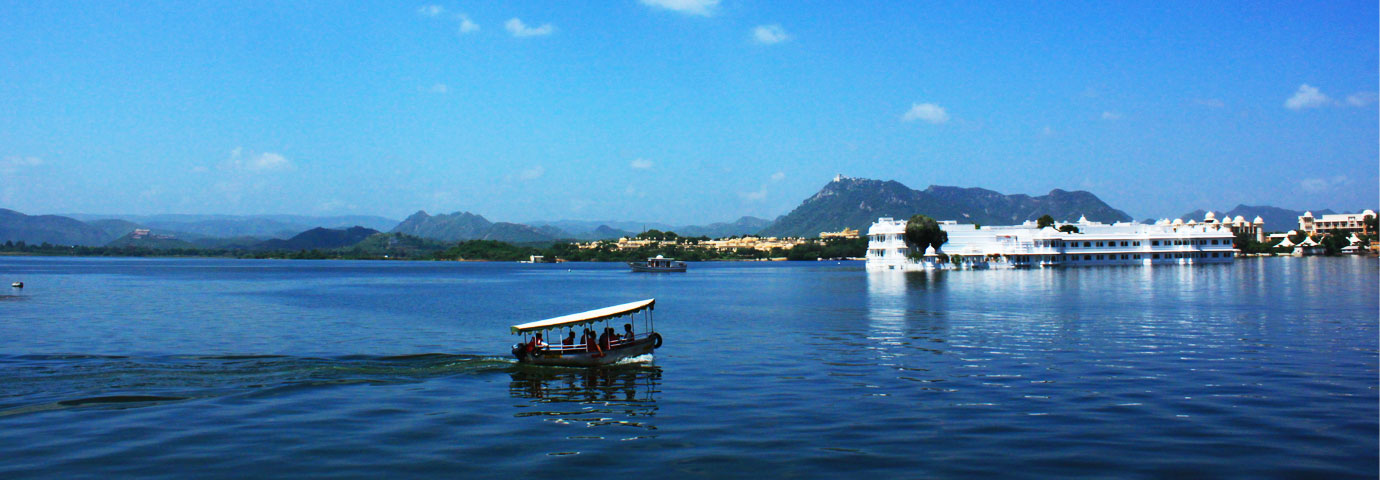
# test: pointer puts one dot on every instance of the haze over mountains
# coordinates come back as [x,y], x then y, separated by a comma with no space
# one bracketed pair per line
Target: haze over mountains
[842,203]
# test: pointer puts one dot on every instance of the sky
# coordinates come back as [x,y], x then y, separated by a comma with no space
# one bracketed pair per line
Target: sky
[680,111]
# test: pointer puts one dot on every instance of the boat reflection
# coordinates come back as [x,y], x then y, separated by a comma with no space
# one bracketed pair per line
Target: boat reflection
[623,395]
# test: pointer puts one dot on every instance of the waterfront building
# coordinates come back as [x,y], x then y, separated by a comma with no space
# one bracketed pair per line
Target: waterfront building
[1026,245]
[1346,222]
[845,233]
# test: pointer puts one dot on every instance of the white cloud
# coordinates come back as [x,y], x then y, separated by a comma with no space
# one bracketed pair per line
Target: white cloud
[466,25]
[769,34]
[257,162]
[1306,97]
[431,10]
[641,164]
[928,112]
[1110,115]
[440,88]
[519,29]
[778,176]
[1361,99]
[1210,102]
[756,196]
[16,163]
[531,173]
[1323,185]
[702,8]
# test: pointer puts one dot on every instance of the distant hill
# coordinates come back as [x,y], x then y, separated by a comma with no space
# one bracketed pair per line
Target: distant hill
[227,226]
[319,238]
[857,202]
[588,229]
[114,228]
[396,245]
[743,226]
[609,229]
[605,232]
[52,229]
[460,226]
[151,241]
[1276,219]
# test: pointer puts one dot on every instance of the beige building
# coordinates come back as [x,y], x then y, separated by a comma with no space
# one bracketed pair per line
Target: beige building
[1346,222]
[845,233]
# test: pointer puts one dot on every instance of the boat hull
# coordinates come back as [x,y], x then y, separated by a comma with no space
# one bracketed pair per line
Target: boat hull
[587,359]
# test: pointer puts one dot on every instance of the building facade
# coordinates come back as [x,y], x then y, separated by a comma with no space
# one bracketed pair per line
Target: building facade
[1346,222]
[1025,245]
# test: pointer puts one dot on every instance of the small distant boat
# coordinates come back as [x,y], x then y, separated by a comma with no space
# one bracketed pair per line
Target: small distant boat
[17,284]
[658,264]
[593,353]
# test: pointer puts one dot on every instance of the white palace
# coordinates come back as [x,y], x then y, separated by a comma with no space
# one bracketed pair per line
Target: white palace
[1025,245]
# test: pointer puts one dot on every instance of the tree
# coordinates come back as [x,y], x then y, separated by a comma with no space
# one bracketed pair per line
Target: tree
[1068,229]
[1368,225]
[1044,221]
[923,231]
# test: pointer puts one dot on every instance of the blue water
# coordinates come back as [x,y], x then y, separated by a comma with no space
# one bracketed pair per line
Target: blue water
[179,368]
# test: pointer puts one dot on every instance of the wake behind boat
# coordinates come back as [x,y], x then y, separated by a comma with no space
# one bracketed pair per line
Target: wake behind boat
[593,348]
[658,264]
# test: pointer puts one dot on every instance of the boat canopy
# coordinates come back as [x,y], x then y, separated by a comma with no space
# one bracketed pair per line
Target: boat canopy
[587,317]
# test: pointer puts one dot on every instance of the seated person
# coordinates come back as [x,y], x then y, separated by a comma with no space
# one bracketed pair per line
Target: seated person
[569,340]
[628,333]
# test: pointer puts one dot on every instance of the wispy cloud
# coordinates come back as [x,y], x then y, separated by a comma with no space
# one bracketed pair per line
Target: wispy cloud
[439,88]
[520,30]
[1306,97]
[641,164]
[466,25]
[927,112]
[16,163]
[778,176]
[531,173]
[241,161]
[1110,115]
[1209,102]
[1048,131]
[757,196]
[1361,99]
[431,10]
[1323,185]
[702,8]
[769,34]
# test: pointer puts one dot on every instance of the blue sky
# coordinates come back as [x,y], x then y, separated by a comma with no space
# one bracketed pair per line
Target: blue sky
[683,111]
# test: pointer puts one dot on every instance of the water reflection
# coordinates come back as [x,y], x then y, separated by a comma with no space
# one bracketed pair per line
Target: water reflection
[618,396]
[905,313]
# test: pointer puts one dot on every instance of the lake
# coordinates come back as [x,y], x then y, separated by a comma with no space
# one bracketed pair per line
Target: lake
[214,368]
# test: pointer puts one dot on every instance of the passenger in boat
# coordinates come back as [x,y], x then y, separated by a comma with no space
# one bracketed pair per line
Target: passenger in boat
[604,340]
[627,332]
[569,339]
[536,344]
[591,345]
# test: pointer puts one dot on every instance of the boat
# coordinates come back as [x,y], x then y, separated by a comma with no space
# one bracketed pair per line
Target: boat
[579,355]
[658,264]
[17,284]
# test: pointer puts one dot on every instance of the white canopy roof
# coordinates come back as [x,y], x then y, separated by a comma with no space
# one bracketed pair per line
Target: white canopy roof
[587,317]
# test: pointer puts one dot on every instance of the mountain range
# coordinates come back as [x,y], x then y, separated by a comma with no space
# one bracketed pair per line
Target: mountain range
[842,203]
[857,202]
